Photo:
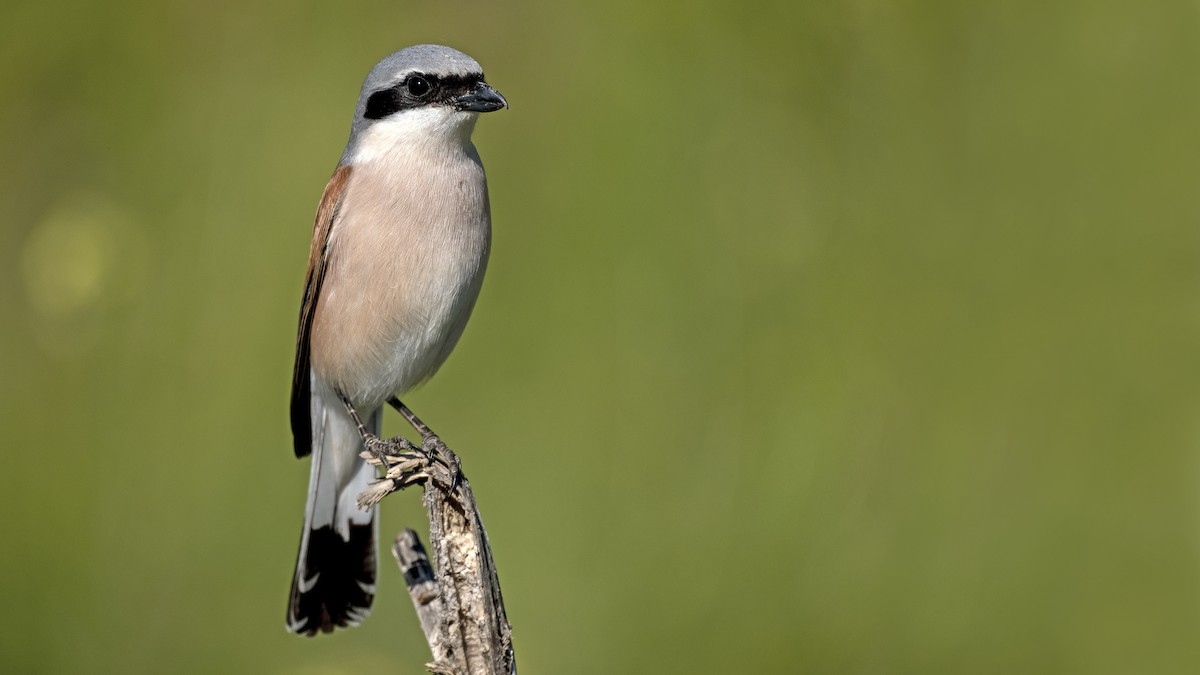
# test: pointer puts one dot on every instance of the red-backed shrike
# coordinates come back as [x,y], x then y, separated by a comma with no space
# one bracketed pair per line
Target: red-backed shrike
[399,249]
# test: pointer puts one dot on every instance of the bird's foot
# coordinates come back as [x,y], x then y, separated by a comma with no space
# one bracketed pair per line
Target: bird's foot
[439,452]
[404,464]
[445,464]
[387,452]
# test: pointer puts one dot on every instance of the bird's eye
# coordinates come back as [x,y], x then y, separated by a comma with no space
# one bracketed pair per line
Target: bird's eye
[417,86]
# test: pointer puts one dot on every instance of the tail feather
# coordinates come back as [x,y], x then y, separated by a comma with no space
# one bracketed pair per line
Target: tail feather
[334,583]
[341,584]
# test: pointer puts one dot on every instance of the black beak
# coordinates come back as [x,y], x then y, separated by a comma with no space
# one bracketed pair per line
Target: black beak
[480,99]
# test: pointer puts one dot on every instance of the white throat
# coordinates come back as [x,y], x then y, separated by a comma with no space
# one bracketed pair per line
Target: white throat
[433,129]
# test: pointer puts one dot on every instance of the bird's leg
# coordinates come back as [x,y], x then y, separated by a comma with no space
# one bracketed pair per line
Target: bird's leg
[379,448]
[430,443]
[417,424]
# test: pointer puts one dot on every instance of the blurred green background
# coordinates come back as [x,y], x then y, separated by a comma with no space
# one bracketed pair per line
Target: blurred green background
[823,337]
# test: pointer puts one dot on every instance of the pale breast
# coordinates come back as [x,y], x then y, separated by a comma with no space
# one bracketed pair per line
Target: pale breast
[406,259]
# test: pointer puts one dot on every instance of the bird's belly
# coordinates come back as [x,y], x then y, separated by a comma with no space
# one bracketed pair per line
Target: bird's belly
[397,294]
[372,343]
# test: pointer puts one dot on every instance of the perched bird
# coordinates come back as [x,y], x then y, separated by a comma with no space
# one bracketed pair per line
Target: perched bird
[399,249]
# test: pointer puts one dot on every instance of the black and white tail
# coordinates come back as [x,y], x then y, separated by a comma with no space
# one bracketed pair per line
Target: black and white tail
[334,582]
